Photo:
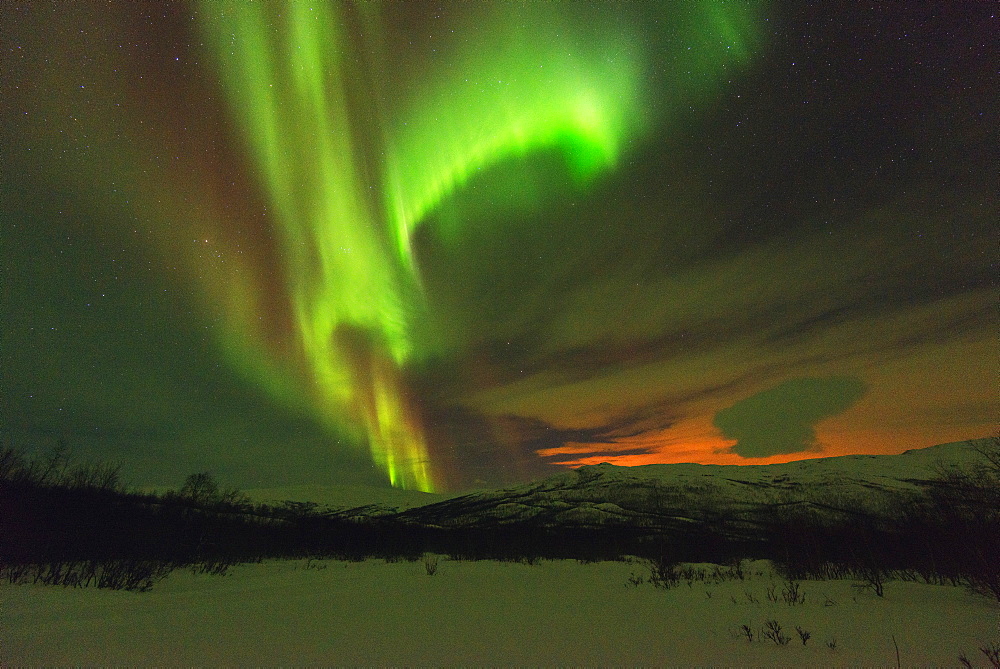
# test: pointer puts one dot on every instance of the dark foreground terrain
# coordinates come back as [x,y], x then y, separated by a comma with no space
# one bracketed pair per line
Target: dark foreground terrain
[931,516]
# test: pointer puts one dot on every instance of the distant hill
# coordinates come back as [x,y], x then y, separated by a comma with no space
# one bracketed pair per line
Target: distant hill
[670,496]
[606,493]
[346,496]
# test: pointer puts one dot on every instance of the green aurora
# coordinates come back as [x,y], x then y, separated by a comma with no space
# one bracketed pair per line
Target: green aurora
[442,247]
[531,83]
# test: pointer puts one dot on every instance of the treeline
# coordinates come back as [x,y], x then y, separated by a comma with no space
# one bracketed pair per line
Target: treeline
[947,532]
[80,526]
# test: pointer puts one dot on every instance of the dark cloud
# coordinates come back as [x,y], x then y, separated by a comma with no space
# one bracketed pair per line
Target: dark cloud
[482,449]
[594,453]
[781,420]
[476,450]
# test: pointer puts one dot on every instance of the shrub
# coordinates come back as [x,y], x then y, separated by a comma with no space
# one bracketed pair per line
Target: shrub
[772,631]
[664,573]
[430,563]
[790,593]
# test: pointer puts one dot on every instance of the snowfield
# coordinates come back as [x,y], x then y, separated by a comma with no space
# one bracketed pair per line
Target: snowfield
[487,613]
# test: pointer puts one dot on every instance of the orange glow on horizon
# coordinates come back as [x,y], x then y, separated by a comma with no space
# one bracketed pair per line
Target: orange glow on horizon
[687,444]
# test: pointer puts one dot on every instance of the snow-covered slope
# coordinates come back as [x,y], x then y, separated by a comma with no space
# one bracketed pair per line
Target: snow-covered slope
[665,495]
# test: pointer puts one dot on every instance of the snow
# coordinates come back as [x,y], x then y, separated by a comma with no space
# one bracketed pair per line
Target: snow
[484,613]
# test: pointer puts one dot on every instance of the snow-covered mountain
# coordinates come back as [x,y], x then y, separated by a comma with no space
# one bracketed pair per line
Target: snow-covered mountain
[669,496]
[655,496]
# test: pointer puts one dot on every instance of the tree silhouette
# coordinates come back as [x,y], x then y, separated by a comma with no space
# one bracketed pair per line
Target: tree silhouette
[201,487]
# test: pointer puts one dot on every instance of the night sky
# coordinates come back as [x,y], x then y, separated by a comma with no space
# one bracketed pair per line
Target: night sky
[456,245]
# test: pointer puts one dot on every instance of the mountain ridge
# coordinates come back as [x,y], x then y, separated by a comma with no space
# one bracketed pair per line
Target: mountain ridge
[591,494]
[667,495]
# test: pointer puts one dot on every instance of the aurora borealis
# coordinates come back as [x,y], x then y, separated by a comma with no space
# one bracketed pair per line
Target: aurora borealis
[446,246]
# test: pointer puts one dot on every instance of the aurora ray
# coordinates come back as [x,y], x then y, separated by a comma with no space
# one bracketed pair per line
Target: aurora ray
[556,86]
[353,299]
[348,189]
[350,305]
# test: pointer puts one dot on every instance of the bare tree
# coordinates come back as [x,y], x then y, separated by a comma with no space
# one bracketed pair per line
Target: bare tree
[201,487]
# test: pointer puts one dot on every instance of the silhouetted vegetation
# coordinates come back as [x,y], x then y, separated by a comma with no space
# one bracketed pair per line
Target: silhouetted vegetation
[948,532]
[77,525]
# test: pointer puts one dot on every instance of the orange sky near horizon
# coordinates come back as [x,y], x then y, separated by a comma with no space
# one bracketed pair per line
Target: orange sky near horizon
[932,396]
